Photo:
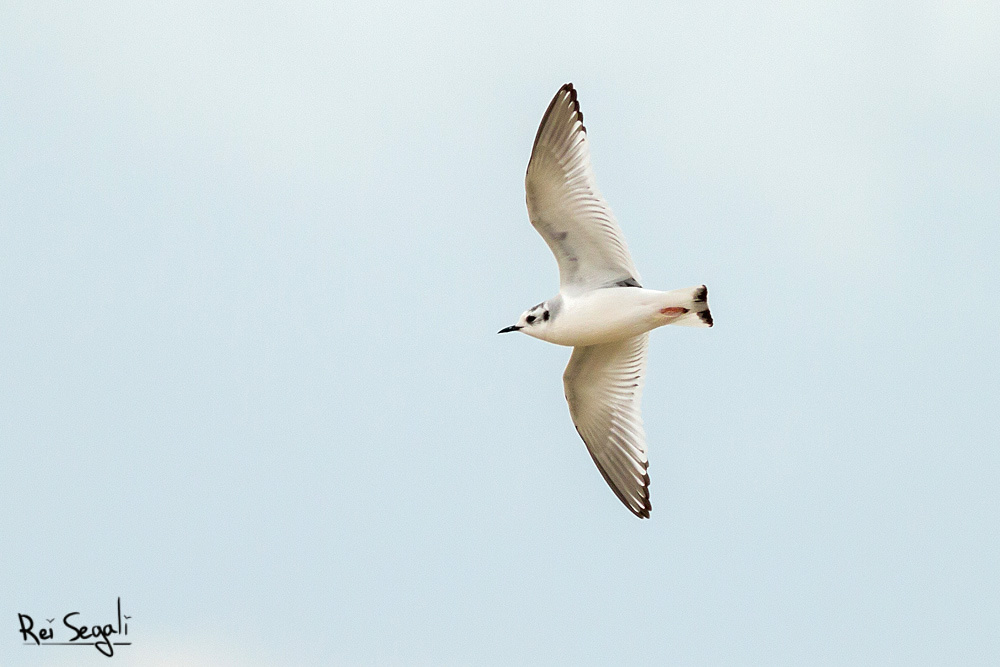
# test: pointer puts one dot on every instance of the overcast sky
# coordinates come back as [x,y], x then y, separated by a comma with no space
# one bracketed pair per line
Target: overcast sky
[253,258]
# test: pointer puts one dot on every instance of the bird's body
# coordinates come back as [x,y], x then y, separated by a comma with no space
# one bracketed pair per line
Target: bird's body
[602,311]
[612,313]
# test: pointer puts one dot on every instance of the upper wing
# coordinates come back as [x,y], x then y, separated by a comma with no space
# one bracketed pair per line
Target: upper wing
[603,386]
[565,206]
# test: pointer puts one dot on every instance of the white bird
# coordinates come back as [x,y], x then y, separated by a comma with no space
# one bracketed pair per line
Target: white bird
[602,310]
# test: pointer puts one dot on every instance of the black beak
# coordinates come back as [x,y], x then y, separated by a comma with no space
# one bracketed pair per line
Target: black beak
[509,329]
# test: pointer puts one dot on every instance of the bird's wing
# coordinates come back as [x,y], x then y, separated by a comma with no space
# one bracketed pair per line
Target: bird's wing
[603,386]
[565,206]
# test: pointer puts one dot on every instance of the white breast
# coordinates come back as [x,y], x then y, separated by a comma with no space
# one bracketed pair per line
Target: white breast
[602,316]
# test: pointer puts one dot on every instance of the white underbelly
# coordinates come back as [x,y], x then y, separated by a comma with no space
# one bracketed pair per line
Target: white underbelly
[607,315]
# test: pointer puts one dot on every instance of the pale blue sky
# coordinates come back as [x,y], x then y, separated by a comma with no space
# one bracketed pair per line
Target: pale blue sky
[252,262]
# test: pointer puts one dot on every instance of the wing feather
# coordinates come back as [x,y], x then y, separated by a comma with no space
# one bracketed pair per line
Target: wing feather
[565,206]
[603,386]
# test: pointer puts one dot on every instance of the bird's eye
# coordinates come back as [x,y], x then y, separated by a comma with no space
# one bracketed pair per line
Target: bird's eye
[545,316]
[529,319]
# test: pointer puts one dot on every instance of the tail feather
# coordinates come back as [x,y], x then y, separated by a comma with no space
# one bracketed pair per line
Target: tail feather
[698,314]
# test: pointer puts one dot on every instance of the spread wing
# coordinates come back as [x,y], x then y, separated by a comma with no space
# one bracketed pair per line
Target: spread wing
[603,386]
[565,206]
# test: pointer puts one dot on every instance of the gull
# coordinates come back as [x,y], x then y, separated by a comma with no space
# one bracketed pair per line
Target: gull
[601,311]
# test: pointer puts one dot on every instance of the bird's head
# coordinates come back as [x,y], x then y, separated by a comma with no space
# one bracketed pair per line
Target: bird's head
[533,321]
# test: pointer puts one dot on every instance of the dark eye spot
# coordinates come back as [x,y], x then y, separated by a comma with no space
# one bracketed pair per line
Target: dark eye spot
[529,319]
[545,316]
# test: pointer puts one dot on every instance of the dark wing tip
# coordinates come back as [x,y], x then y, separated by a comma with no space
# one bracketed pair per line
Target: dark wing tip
[706,317]
[567,88]
[645,507]
[701,294]
[576,104]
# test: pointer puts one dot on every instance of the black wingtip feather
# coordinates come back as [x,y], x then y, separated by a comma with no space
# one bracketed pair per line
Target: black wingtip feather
[643,511]
[706,317]
[566,88]
[701,296]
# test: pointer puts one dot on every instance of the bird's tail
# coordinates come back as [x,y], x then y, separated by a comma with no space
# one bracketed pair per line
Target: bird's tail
[698,314]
